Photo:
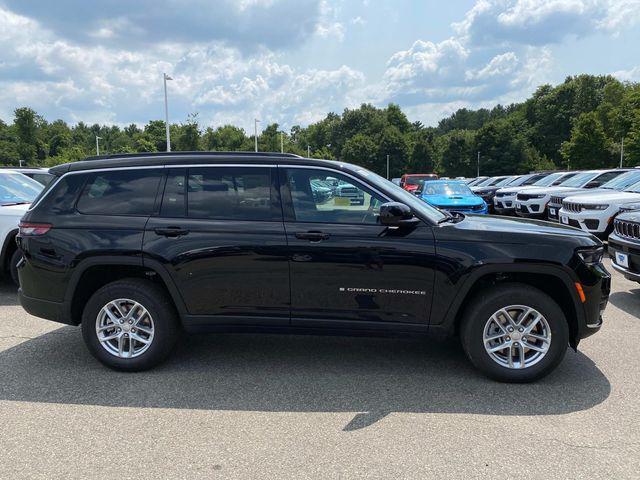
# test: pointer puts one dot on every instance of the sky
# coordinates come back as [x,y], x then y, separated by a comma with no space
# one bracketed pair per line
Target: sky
[293,61]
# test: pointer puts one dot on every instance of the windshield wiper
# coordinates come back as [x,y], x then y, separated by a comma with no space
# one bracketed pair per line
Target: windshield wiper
[9,204]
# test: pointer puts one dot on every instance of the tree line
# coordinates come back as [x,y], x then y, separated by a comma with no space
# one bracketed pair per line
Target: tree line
[578,124]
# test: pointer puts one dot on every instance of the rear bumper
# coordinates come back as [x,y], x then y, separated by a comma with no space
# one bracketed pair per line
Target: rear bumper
[54,311]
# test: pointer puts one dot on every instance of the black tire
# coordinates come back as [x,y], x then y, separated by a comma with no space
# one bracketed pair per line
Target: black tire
[489,301]
[165,319]
[13,266]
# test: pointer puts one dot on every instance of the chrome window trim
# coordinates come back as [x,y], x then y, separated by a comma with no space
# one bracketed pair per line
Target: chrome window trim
[141,167]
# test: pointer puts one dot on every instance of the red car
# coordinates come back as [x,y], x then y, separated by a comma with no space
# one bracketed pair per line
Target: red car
[411,181]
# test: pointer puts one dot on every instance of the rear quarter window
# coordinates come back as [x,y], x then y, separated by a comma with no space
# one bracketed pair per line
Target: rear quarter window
[121,192]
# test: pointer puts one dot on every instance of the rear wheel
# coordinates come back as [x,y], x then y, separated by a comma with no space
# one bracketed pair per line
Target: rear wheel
[130,325]
[514,333]
[13,266]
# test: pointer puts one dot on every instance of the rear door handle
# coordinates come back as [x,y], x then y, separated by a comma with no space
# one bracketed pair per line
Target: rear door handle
[312,236]
[171,231]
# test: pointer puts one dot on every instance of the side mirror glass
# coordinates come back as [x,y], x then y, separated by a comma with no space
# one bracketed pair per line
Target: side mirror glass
[397,214]
[593,184]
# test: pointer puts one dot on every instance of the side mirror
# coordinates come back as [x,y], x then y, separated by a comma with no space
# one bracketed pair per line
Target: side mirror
[396,214]
[592,184]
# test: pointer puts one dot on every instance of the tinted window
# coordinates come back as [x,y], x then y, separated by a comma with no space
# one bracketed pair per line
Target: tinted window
[327,197]
[121,192]
[173,200]
[605,177]
[229,193]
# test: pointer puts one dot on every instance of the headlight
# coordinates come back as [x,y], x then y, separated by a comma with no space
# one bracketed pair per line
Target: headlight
[595,207]
[537,196]
[591,256]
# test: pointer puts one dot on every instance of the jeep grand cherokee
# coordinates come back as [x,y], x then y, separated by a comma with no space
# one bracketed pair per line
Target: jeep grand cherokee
[137,248]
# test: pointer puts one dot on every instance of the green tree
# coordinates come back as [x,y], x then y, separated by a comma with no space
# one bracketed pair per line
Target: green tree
[588,146]
[360,150]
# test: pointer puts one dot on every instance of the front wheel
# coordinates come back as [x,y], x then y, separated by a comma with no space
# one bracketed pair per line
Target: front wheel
[514,333]
[130,325]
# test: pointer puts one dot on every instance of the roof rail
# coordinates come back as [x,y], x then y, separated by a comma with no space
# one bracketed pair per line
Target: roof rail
[191,154]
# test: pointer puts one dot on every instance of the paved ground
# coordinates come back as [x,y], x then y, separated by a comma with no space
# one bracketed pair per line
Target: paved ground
[236,406]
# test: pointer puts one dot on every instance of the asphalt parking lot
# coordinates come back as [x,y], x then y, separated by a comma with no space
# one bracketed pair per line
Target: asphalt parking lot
[248,406]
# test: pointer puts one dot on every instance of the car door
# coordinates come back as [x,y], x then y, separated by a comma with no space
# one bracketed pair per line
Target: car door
[346,268]
[220,235]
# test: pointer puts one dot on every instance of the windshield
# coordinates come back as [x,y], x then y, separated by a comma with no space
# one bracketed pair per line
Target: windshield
[522,180]
[548,180]
[417,179]
[485,183]
[623,181]
[635,188]
[409,199]
[506,182]
[579,180]
[446,188]
[18,188]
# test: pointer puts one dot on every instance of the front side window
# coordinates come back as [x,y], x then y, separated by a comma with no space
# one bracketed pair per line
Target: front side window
[326,197]
[229,193]
[120,192]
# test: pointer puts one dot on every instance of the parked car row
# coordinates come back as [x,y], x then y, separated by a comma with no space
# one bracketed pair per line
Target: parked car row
[604,202]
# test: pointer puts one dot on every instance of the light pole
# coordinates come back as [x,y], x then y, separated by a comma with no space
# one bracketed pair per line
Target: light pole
[255,131]
[478,164]
[98,145]
[387,166]
[308,151]
[281,142]
[621,151]
[166,77]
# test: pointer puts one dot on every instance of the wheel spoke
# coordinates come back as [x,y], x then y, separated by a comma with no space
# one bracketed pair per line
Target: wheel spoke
[497,348]
[537,337]
[144,329]
[524,316]
[111,316]
[113,336]
[510,356]
[535,347]
[494,337]
[521,355]
[533,324]
[121,345]
[139,338]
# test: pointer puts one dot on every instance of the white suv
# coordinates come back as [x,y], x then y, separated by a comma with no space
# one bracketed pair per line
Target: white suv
[533,203]
[594,212]
[17,191]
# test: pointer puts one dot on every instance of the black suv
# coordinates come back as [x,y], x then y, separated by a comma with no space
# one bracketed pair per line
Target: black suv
[137,248]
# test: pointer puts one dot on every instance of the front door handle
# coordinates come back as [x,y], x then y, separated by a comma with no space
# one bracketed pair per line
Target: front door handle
[312,236]
[171,231]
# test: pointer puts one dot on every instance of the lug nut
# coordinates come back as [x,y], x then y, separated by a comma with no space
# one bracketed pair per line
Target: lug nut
[516,344]
[508,339]
[121,321]
[521,329]
[133,330]
[510,329]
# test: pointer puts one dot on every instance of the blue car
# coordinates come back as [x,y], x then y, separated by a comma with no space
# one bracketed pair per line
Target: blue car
[453,196]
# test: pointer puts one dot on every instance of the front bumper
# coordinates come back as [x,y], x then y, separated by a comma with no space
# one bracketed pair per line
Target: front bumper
[531,209]
[553,212]
[631,250]
[504,205]
[597,222]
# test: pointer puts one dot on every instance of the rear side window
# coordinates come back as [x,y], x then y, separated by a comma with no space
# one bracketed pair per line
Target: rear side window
[121,192]
[229,193]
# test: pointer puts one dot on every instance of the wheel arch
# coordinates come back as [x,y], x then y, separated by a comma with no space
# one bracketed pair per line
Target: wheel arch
[551,280]
[8,247]
[93,273]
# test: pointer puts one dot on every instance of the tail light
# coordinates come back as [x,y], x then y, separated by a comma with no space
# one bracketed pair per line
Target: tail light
[33,229]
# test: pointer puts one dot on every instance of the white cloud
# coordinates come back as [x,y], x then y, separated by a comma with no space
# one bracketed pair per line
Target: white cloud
[631,75]
[540,22]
